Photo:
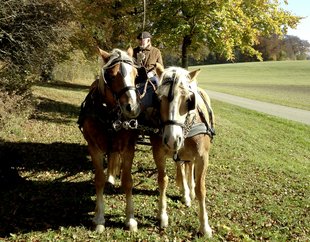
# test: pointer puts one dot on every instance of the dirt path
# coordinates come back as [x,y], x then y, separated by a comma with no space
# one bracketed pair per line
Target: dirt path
[295,114]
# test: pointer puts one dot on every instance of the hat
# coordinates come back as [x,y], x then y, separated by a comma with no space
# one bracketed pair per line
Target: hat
[144,35]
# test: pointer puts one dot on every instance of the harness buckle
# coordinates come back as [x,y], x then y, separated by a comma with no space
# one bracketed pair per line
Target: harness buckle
[133,124]
[117,125]
[126,125]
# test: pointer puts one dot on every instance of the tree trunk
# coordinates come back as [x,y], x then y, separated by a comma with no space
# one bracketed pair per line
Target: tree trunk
[186,43]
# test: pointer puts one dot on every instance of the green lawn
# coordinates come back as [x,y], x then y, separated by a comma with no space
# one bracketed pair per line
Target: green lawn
[257,182]
[283,82]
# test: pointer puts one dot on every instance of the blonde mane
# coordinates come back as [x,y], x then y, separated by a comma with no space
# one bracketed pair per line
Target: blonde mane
[181,79]
[116,56]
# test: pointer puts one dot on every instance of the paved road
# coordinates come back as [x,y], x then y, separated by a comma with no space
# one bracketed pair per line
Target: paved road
[295,114]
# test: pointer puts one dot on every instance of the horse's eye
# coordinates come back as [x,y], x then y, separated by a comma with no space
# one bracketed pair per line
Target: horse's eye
[109,78]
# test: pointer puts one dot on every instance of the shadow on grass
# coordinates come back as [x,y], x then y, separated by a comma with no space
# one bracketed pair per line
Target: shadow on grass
[58,156]
[41,205]
[53,111]
[38,206]
[65,85]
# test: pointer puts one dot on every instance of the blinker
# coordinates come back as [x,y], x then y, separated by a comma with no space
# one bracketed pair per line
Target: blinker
[122,69]
[191,102]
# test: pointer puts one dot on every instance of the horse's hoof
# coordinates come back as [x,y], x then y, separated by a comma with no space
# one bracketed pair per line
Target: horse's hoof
[132,225]
[163,221]
[99,228]
[206,231]
[187,202]
[111,180]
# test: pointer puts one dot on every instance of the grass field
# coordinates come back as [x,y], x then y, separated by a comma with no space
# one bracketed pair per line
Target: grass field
[257,183]
[280,82]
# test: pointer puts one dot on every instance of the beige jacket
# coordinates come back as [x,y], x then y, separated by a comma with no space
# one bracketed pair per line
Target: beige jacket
[147,57]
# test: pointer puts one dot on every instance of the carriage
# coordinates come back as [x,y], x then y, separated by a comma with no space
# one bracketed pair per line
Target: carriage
[179,125]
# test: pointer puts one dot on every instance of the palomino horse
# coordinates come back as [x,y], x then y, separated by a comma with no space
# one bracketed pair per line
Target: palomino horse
[187,132]
[185,170]
[107,120]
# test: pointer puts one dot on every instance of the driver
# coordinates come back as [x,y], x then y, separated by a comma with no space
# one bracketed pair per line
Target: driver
[146,57]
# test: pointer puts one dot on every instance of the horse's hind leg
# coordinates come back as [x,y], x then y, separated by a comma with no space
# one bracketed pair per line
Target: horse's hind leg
[200,188]
[190,169]
[127,184]
[182,182]
[113,170]
[97,159]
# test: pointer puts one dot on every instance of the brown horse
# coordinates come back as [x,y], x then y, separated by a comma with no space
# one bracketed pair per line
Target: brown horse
[188,127]
[108,123]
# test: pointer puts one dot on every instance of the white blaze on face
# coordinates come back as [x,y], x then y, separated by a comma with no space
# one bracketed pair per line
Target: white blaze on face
[132,108]
[130,82]
[173,133]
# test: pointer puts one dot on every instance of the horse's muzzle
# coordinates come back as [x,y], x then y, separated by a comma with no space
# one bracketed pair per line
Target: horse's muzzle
[173,137]
[130,110]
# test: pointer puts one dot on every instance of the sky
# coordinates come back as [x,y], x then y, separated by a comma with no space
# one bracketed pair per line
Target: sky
[300,8]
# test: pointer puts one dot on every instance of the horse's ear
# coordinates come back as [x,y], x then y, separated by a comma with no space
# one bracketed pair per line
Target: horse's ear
[105,55]
[130,51]
[194,74]
[159,69]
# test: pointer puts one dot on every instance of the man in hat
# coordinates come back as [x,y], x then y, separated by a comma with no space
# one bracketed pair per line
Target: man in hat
[146,57]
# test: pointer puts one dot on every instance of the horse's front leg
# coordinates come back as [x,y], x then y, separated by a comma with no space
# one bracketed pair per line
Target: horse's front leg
[127,184]
[190,169]
[160,160]
[181,180]
[97,159]
[200,188]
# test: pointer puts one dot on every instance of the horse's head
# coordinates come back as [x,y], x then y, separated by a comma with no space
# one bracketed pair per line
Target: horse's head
[117,81]
[177,93]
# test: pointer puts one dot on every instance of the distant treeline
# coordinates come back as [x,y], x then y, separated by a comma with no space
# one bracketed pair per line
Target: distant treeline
[273,49]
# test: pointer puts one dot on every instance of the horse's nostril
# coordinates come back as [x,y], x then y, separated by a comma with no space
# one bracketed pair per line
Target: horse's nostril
[165,140]
[128,108]
[178,143]
[179,140]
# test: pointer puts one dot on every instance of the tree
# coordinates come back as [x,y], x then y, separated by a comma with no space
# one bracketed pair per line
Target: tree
[223,26]
[108,23]
[30,33]
[296,48]
[287,48]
